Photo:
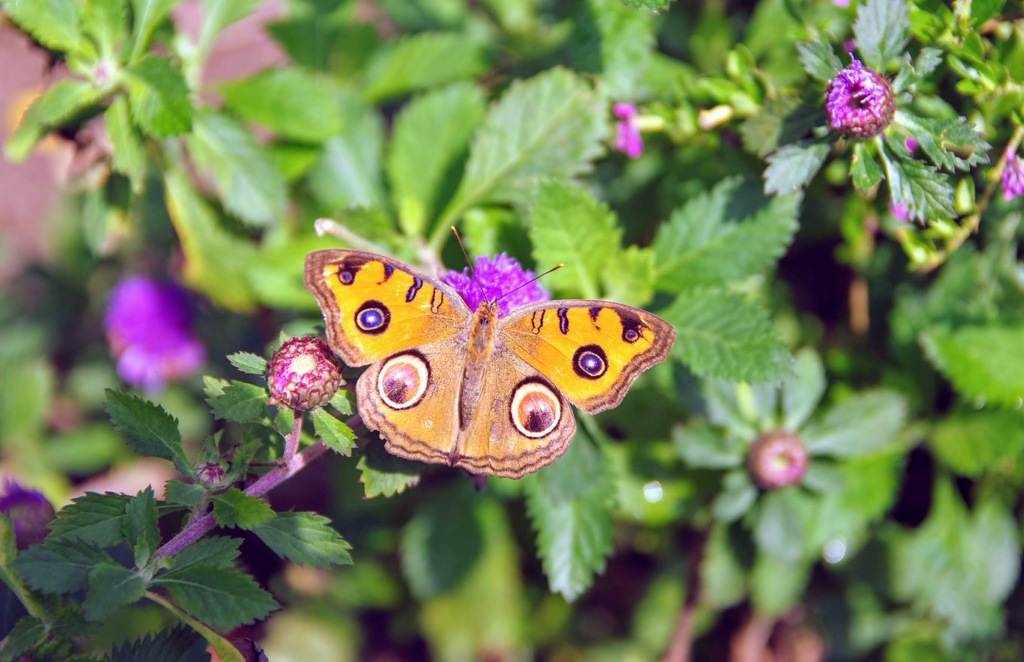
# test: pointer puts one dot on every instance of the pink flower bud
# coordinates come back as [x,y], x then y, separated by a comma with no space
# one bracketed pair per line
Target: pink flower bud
[303,374]
[777,459]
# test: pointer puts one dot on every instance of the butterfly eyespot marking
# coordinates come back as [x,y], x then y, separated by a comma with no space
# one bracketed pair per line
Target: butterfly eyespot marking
[590,362]
[403,380]
[632,328]
[346,277]
[536,409]
[373,317]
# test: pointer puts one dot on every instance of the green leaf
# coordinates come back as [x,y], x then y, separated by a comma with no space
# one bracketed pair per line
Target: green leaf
[653,5]
[569,226]
[819,60]
[777,584]
[785,119]
[779,529]
[862,423]
[723,571]
[864,170]
[111,587]
[701,446]
[429,143]
[158,97]
[292,103]
[613,42]
[221,597]
[64,100]
[249,182]
[732,232]
[174,645]
[148,14]
[951,144]
[106,21]
[722,334]
[881,31]
[305,538]
[59,566]
[189,495]
[336,435]
[923,191]
[349,172]
[249,363]
[983,362]
[23,637]
[54,23]
[551,125]
[128,156]
[383,474]
[236,401]
[570,507]
[235,508]
[802,391]
[438,550]
[216,550]
[219,14]
[794,166]
[27,388]
[736,498]
[140,526]
[147,428]
[94,518]
[422,61]
[972,443]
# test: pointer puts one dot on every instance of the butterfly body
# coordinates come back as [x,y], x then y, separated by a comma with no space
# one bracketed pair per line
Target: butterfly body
[475,389]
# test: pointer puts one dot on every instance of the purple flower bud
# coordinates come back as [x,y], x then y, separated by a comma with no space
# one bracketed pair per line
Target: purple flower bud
[1013,176]
[29,512]
[149,331]
[627,133]
[777,459]
[859,102]
[211,475]
[494,278]
[303,374]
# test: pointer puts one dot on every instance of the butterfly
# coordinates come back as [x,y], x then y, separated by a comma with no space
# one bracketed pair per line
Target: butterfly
[474,389]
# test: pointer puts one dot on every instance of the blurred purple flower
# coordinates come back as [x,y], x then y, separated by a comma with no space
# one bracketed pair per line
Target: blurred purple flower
[859,102]
[627,133]
[841,3]
[29,512]
[1013,176]
[492,279]
[899,211]
[911,144]
[778,459]
[149,331]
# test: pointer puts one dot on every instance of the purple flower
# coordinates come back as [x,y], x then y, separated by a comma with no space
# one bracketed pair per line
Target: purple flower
[899,211]
[841,3]
[304,374]
[149,331]
[1013,176]
[627,133]
[859,102]
[29,512]
[778,459]
[492,279]
[911,144]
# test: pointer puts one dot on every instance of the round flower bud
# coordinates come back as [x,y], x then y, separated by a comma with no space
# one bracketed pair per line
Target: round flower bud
[859,102]
[211,475]
[303,374]
[777,459]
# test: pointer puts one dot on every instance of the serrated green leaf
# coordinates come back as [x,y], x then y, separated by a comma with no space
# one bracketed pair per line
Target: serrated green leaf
[951,144]
[59,566]
[794,166]
[235,508]
[731,232]
[342,403]
[128,156]
[140,526]
[292,103]
[973,442]
[54,23]
[106,21]
[629,278]
[249,182]
[653,5]
[216,550]
[147,14]
[249,363]
[64,100]
[570,507]
[222,598]
[722,334]
[923,191]
[864,170]
[336,435]
[437,550]
[881,31]
[305,538]
[802,391]
[236,401]
[219,14]
[187,494]
[785,119]
[147,428]
[551,125]
[430,139]
[983,362]
[348,174]
[862,423]
[819,60]
[111,587]
[175,645]
[94,518]
[25,635]
[569,226]
[422,61]
[158,97]
[614,42]
[383,474]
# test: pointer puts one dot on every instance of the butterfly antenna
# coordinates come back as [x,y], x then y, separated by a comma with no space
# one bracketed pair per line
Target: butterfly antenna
[532,280]
[464,253]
